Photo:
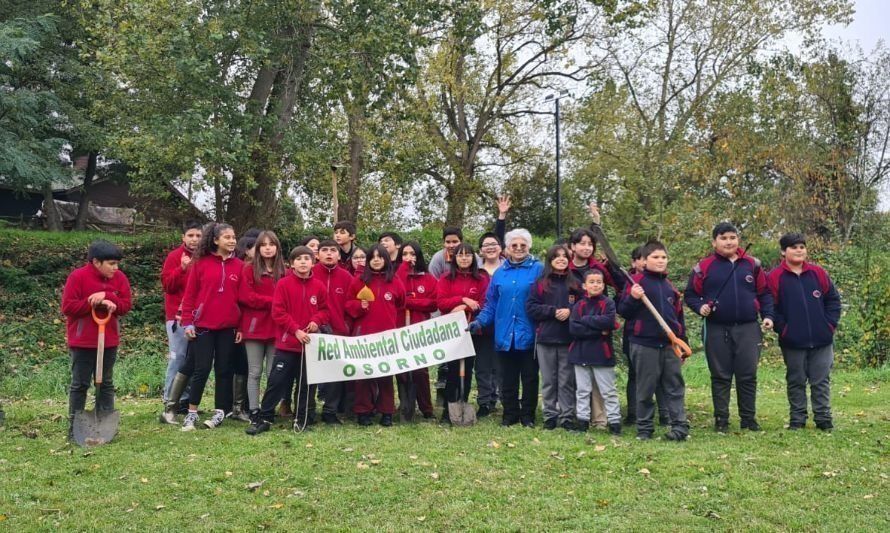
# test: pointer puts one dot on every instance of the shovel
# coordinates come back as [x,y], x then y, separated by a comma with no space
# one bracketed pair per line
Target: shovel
[93,428]
[407,388]
[460,412]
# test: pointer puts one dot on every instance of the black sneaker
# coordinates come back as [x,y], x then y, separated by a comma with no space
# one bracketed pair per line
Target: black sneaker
[528,423]
[751,426]
[630,420]
[644,435]
[258,426]
[581,426]
[675,435]
[825,426]
[509,421]
[331,419]
[386,420]
[568,425]
[446,418]
[615,428]
[721,426]
[483,411]
[365,420]
[795,426]
[429,415]
[549,424]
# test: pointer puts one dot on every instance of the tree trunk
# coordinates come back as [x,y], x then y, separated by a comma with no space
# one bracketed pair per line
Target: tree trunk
[458,197]
[53,222]
[84,205]
[349,208]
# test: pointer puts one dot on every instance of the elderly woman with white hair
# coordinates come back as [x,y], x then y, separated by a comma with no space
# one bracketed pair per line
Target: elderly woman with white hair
[514,333]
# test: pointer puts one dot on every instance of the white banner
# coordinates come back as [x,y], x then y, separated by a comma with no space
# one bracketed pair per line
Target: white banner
[431,342]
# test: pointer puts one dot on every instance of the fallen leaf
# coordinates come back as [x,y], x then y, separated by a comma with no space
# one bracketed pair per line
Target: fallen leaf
[510,445]
[713,515]
[645,471]
[265,493]
[143,479]
[347,449]
[494,444]
[159,507]
[581,454]
[309,445]
[536,441]
[204,516]
[276,506]
[412,457]
[361,465]
[253,486]
[829,474]
[868,496]
[723,456]
[229,474]
[434,475]
[421,518]
[375,461]
[599,448]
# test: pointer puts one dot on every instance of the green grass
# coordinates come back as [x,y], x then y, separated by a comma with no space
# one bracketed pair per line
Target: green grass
[424,476]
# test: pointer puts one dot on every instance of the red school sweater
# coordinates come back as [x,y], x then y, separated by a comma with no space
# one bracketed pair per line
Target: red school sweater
[336,281]
[382,313]
[420,295]
[173,280]
[451,292]
[297,302]
[81,330]
[211,294]
[255,300]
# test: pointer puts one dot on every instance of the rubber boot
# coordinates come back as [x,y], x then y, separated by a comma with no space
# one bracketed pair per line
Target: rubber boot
[239,390]
[180,382]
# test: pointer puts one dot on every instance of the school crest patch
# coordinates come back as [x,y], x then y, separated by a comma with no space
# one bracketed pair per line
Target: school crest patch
[473,290]
[817,293]
[387,296]
[338,290]
[421,289]
[313,300]
[749,278]
[571,298]
[233,277]
[670,300]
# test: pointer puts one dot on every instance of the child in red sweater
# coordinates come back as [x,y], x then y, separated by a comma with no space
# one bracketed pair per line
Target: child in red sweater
[374,317]
[420,301]
[299,308]
[210,316]
[100,288]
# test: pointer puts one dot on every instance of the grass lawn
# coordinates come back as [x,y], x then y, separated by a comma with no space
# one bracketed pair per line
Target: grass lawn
[427,477]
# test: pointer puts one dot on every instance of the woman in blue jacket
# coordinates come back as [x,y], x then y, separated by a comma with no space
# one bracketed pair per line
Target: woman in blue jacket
[514,333]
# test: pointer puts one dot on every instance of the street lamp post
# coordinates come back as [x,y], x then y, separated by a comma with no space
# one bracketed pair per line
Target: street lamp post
[555,98]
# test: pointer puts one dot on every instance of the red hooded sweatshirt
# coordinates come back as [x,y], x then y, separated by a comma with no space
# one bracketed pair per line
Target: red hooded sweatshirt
[211,294]
[173,280]
[82,332]
[336,281]
[451,292]
[382,313]
[255,299]
[420,295]
[297,302]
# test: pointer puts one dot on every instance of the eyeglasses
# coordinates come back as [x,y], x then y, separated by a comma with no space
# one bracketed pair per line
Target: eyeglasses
[518,246]
[490,245]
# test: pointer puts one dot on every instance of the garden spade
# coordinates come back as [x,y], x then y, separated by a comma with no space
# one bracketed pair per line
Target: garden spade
[93,428]
[460,412]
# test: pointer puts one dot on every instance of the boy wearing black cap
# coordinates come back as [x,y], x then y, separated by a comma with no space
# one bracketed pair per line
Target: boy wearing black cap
[807,310]
[728,288]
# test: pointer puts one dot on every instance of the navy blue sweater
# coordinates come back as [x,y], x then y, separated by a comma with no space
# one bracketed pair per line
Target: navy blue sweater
[544,299]
[667,301]
[591,324]
[744,294]
[807,306]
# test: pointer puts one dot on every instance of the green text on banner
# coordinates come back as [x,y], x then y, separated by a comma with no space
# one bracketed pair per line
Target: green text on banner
[431,342]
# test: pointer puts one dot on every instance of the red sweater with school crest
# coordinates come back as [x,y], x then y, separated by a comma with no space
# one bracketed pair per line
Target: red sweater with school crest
[255,299]
[297,302]
[420,294]
[452,291]
[173,280]
[382,313]
[336,281]
[211,295]
[81,330]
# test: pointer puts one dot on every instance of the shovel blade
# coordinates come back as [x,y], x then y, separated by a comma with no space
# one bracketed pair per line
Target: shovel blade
[94,428]
[461,414]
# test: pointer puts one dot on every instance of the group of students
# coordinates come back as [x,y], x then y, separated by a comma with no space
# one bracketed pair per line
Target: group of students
[243,309]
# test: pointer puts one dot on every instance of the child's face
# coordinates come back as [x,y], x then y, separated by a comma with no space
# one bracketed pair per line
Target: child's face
[191,238]
[657,261]
[451,242]
[491,249]
[342,237]
[560,262]
[225,243]
[408,254]
[389,245]
[584,248]
[313,245]
[268,250]
[639,263]
[359,259]
[377,262]
[302,265]
[726,244]
[594,284]
[796,253]
[328,255]
[106,268]
[464,260]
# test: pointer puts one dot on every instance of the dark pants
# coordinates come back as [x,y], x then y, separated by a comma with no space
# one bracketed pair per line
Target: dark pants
[334,398]
[83,369]
[487,373]
[631,392]
[212,349]
[420,378]
[376,394]
[811,366]
[733,350]
[286,366]
[452,385]
[519,366]
[654,367]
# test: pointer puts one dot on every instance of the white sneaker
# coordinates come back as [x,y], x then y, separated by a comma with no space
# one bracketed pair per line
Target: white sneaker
[216,420]
[189,423]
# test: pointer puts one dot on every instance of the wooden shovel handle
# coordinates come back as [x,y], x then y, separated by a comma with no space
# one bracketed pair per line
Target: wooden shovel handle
[100,343]
[681,349]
